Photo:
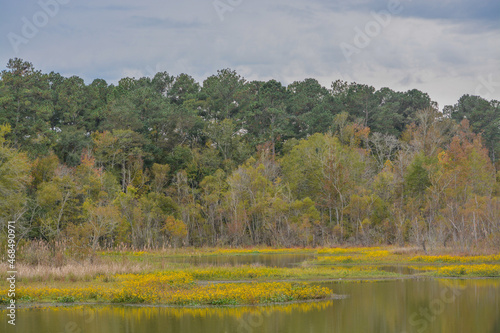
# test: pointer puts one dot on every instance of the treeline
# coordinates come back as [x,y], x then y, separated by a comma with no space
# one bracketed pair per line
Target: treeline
[169,162]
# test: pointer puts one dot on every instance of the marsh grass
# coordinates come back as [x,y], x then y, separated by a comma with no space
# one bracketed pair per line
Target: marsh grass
[74,272]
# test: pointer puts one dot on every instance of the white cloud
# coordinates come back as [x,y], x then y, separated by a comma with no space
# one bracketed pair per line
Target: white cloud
[284,40]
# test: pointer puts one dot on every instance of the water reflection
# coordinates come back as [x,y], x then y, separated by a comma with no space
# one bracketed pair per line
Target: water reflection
[271,260]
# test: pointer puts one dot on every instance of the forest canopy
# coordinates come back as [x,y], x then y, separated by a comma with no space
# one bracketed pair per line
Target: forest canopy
[168,161]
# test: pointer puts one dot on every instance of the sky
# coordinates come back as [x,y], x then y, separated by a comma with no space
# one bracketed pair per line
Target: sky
[444,48]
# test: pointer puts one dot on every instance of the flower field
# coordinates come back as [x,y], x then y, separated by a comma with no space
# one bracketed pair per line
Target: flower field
[339,256]
[455,259]
[247,272]
[177,288]
[482,270]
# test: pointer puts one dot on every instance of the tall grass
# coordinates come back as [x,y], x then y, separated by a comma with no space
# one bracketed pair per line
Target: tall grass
[73,272]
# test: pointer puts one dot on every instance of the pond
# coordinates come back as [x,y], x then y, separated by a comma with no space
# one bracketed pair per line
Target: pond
[406,305]
[271,260]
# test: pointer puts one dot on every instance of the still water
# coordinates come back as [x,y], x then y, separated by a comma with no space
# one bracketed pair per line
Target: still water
[271,260]
[399,306]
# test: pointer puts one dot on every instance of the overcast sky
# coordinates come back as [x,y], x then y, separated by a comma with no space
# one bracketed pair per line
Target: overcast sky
[445,48]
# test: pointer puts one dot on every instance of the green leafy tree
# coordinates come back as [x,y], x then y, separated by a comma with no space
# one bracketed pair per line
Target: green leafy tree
[221,93]
[121,153]
[213,192]
[227,139]
[26,105]
[184,88]
[484,118]
[326,171]
[311,107]
[265,117]
[14,179]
